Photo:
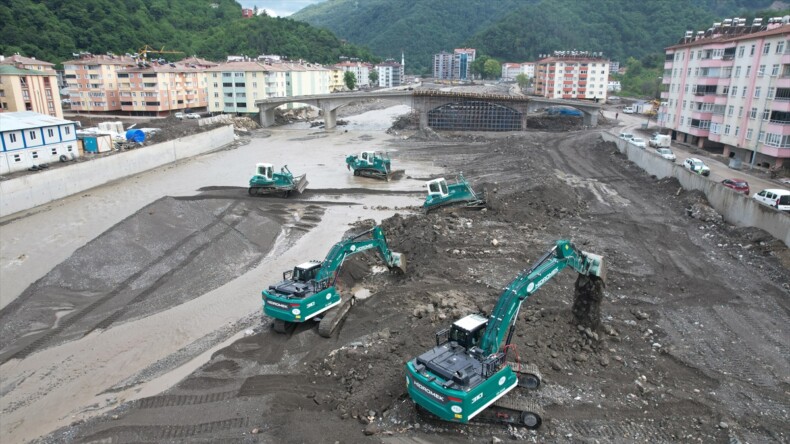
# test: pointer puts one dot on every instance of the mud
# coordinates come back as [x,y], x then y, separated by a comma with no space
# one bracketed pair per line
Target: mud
[691,346]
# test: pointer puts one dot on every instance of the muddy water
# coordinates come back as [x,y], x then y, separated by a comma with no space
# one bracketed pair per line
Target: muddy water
[65,381]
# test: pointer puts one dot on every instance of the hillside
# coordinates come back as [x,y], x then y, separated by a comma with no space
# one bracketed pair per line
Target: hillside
[517,30]
[53,30]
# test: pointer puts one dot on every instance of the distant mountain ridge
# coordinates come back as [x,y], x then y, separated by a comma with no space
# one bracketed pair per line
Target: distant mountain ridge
[519,30]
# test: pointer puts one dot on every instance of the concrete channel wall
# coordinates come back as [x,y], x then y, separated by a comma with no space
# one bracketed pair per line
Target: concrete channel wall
[736,208]
[32,190]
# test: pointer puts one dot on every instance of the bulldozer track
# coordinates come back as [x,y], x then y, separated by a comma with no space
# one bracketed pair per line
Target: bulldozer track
[182,400]
[622,431]
[67,322]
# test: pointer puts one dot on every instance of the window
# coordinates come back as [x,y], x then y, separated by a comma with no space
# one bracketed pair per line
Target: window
[726,130]
[767,48]
[734,91]
[766,114]
[740,111]
[780,47]
[737,71]
[748,70]
[725,90]
[730,111]
[68,148]
[753,113]
[737,130]
[12,137]
[34,154]
[774,70]
[50,132]
[757,91]
[17,158]
[749,133]
[54,151]
[32,135]
[743,93]
[761,136]
[771,92]
[761,71]
[740,51]
[751,52]
[216,104]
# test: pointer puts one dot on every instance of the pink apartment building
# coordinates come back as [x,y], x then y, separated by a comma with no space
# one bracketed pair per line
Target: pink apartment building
[727,90]
[93,81]
[156,89]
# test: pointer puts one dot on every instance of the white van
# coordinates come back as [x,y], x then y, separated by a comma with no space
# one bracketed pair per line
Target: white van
[661,141]
[629,110]
[777,198]
[626,136]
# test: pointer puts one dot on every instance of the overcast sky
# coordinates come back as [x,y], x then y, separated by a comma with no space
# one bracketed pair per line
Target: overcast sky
[278,8]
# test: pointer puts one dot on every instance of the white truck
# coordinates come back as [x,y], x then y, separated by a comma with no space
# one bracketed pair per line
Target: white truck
[660,141]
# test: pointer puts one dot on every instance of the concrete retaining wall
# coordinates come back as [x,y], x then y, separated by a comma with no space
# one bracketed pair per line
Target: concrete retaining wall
[43,187]
[736,208]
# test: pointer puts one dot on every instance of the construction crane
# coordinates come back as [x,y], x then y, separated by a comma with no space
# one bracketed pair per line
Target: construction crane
[142,54]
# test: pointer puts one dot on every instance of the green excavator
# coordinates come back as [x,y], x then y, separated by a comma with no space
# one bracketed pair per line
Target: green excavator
[467,373]
[371,164]
[266,181]
[308,291]
[442,194]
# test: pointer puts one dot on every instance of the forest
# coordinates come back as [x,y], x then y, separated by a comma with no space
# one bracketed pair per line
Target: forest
[55,30]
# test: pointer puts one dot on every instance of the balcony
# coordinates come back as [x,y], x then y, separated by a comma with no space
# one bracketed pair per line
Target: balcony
[699,132]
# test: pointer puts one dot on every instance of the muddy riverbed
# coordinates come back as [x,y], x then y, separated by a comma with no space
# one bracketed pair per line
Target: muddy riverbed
[166,296]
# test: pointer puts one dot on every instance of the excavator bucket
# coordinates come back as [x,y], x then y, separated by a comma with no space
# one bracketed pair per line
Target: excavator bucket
[597,265]
[301,183]
[399,262]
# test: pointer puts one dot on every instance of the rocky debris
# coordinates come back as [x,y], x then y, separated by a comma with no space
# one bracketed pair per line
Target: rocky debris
[704,213]
[587,296]
[244,123]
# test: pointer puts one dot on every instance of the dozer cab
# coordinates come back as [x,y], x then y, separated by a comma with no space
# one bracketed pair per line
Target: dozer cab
[467,374]
[371,164]
[266,181]
[443,194]
[308,291]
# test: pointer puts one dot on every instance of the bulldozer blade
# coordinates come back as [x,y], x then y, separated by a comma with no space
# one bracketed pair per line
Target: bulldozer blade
[301,183]
[399,262]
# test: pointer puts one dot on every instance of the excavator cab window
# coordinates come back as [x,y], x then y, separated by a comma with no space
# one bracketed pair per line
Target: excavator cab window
[433,187]
[444,187]
[465,338]
[304,274]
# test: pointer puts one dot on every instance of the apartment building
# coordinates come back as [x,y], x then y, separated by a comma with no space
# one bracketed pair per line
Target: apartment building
[510,71]
[157,89]
[361,71]
[93,81]
[234,87]
[728,89]
[572,75]
[28,138]
[390,74]
[336,81]
[528,69]
[24,89]
[28,63]
[455,66]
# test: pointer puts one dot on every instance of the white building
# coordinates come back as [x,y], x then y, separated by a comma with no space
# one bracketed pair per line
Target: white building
[510,71]
[572,75]
[30,138]
[390,74]
[528,69]
[361,72]
[613,86]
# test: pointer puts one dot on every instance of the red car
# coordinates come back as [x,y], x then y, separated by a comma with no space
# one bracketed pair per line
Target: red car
[738,185]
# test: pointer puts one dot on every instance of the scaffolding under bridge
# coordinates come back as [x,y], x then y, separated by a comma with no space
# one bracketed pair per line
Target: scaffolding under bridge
[474,112]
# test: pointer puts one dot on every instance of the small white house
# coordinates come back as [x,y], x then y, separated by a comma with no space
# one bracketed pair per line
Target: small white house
[29,138]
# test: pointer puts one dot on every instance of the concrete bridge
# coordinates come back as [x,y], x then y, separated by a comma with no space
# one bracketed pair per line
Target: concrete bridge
[440,109]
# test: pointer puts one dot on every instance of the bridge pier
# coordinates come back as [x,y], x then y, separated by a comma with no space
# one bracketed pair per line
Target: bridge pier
[423,119]
[590,119]
[267,117]
[330,116]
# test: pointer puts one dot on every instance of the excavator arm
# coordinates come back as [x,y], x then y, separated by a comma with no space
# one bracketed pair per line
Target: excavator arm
[503,317]
[356,244]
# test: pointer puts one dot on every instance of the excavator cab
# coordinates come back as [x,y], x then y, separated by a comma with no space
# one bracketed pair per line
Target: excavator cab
[303,273]
[437,187]
[264,169]
[468,331]
[367,156]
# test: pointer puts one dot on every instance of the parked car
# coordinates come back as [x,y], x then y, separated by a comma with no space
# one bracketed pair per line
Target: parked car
[696,166]
[638,141]
[774,197]
[738,185]
[179,116]
[660,141]
[666,153]
[629,110]
[193,116]
[626,136]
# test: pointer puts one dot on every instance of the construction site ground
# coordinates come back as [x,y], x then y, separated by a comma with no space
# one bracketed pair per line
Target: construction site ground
[144,325]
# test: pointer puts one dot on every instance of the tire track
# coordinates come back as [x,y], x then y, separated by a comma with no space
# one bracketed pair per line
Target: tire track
[41,341]
[181,400]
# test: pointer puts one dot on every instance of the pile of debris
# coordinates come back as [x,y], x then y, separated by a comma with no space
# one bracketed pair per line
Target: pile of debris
[245,124]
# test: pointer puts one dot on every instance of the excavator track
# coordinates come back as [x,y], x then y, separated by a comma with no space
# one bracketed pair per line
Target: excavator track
[280,326]
[529,376]
[478,204]
[333,317]
[508,410]
[265,191]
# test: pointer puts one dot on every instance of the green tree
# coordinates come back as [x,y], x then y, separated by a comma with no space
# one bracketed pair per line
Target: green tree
[523,81]
[478,66]
[492,69]
[350,79]
[373,77]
